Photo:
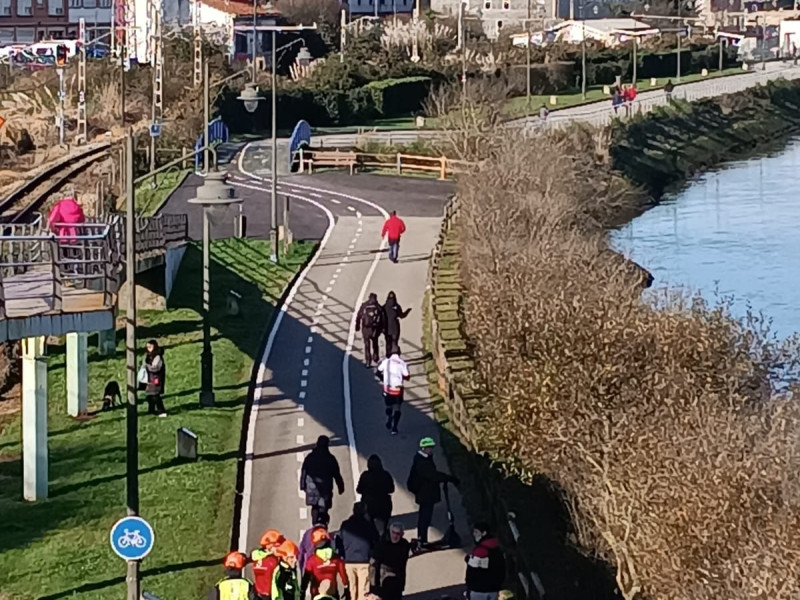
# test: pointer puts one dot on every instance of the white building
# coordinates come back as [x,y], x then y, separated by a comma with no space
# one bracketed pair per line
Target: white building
[610,32]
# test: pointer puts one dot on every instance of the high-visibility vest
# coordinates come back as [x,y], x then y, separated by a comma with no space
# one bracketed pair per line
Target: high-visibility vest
[234,589]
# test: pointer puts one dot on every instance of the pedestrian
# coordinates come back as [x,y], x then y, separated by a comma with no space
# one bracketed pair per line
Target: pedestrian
[668,89]
[318,530]
[393,228]
[369,321]
[234,586]
[486,565]
[320,470]
[387,567]
[616,99]
[265,560]
[424,481]
[324,566]
[357,537]
[285,585]
[376,487]
[632,93]
[392,313]
[154,369]
[543,113]
[794,54]
[394,372]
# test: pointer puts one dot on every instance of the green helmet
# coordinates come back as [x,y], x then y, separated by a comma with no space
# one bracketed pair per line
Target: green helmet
[427,442]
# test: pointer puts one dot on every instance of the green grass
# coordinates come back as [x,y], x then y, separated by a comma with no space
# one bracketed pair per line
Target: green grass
[149,199]
[517,107]
[58,548]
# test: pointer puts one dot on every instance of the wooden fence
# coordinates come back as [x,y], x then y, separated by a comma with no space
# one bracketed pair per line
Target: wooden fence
[451,357]
[400,163]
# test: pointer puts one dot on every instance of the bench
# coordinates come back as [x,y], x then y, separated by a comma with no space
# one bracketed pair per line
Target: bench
[333,159]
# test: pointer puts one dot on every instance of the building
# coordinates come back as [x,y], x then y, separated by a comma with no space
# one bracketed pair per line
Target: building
[29,21]
[363,8]
[96,15]
[498,15]
[609,32]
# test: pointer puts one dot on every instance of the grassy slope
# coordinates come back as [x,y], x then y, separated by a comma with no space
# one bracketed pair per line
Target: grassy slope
[189,505]
[149,199]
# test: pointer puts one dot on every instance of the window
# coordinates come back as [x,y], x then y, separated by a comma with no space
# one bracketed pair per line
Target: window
[5,11]
[506,4]
[499,25]
[55,7]
[24,8]
[487,5]
[25,35]
[89,3]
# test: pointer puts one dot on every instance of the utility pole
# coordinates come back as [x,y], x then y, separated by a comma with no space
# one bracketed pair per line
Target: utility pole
[82,137]
[132,410]
[583,55]
[680,31]
[415,32]
[198,44]
[255,38]
[343,35]
[113,42]
[528,59]
[206,116]
[157,104]
[61,93]
[635,58]
[461,16]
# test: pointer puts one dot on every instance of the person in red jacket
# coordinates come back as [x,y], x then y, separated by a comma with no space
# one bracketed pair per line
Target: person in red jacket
[393,228]
[265,560]
[325,566]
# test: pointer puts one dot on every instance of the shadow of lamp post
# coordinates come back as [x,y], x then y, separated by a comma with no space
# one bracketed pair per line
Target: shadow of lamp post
[215,196]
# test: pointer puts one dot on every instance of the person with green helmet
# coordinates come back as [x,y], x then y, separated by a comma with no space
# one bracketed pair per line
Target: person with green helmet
[425,481]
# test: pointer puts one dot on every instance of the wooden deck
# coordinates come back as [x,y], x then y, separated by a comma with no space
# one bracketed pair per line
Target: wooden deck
[31,294]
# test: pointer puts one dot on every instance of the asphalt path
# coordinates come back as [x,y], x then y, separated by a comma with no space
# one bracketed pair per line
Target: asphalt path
[312,380]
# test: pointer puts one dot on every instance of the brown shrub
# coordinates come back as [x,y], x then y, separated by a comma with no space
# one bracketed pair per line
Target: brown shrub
[662,422]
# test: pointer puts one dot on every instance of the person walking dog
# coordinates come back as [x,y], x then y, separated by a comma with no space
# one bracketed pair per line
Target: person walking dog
[393,228]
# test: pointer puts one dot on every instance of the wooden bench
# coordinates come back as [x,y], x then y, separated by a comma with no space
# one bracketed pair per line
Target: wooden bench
[333,159]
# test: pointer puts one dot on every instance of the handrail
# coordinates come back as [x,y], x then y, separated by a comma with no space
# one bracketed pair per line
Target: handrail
[398,162]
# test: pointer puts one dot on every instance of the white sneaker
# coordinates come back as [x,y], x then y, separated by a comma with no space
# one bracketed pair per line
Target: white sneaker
[162,416]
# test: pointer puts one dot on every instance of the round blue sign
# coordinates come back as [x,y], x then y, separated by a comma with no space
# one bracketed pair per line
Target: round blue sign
[132,538]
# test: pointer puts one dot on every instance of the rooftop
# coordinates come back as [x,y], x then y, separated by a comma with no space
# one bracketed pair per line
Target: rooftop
[240,9]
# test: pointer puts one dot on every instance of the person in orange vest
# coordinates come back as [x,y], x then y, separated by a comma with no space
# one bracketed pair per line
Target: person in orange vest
[323,566]
[285,585]
[234,586]
[265,560]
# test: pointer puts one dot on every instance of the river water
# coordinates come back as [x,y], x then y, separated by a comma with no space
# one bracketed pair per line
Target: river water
[732,232]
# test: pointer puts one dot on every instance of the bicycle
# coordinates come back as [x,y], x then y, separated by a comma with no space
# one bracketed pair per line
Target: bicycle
[134,539]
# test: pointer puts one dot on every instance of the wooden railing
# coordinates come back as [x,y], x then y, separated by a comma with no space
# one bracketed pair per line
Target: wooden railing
[464,408]
[399,163]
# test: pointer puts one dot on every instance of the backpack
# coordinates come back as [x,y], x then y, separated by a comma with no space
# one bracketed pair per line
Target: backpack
[372,318]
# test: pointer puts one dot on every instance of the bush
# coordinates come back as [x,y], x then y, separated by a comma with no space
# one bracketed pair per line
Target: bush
[549,78]
[395,97]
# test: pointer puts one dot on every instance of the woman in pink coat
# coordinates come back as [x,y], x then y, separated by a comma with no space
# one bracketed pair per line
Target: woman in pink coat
[64,215]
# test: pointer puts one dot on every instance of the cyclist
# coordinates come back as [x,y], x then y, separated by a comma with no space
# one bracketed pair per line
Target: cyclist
[284,579]
[265,560]
[233,586]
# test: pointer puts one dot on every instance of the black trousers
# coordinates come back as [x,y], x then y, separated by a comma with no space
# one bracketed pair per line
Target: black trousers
[155,404]
[424,519]
[371,351]
[391,341]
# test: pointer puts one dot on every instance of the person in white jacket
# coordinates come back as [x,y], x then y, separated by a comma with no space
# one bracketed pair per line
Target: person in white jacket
[394,371]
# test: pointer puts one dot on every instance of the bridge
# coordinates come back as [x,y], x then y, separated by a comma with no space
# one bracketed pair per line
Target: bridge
[69,284]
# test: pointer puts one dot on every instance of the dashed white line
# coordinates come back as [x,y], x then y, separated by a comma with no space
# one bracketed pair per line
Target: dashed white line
[332,281]
[358,214]
[313,329]
[303,513]
[310,339]
[301,421]
[306,362]
[315,195]
[335,201]
[308,349]
[300,457]
[300,439]
[328,289]
[351,209]
[302,407]
[333,278]
[354,240]
[303,383]
[338,270]
[304,373]
[345,259]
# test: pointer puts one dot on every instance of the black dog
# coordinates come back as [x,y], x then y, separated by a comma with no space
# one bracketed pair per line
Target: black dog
[110,395]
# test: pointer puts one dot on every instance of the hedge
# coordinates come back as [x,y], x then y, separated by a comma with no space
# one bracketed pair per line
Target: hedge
[387,98]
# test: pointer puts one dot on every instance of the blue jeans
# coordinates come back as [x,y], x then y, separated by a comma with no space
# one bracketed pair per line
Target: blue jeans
[394,250]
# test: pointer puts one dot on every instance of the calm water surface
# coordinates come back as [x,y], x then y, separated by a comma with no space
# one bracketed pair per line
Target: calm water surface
[734,232]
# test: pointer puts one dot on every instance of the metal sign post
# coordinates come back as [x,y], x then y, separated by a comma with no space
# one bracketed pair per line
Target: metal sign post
[132,539]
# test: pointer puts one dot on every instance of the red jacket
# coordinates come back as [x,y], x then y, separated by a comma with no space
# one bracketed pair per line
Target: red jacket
[393,228]
[318,571]
[263,569]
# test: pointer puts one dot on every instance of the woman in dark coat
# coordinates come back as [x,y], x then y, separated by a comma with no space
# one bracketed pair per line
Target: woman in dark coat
[156,370]
[376,487]
[393,312]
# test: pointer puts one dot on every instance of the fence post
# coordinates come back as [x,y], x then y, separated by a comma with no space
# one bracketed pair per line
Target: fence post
[184,154]
[443,172]
[2,296]
[56,271]
[302,162]
[399,164]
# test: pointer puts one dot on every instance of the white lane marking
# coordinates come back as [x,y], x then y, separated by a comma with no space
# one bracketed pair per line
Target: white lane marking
[301,421]
[328,289]
[300,457]
[335,201]
[332,281]
[358,212]
[315,195]
[303,513]
[351,246]
[304,373]
[306,361]
[354,240]
[333,278]
[351,209]
[302,407]
[302,531]
[247,492]
[310,339]
[345,259]
[338,270]
[303,383]
[308,349]
[313,329]
[300,439]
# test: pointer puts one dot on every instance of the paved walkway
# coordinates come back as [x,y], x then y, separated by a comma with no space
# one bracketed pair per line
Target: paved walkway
[310,383]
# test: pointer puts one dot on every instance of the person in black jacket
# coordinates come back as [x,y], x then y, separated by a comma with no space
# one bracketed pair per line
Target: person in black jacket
[393,312]
[317,475]
[156,369]
[486,565]
[376,487]
[424,481]
[387,567]
[355,540]
[370,321]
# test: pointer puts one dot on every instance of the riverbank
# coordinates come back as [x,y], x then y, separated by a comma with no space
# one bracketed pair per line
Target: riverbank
[578,390]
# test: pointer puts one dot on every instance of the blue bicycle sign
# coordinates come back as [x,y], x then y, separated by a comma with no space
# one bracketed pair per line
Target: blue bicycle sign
[132,538]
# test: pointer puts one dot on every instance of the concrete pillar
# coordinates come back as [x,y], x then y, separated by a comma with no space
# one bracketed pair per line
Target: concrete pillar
[107,342]
[34,419]
[77,373]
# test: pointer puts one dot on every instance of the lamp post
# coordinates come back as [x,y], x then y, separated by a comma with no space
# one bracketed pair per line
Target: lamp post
[214,194]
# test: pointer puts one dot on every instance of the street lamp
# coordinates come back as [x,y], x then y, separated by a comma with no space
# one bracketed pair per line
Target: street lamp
[303,57]
[214,195]
[250,97]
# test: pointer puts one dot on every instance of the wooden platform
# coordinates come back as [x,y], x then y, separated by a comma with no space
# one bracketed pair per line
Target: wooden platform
[31,294]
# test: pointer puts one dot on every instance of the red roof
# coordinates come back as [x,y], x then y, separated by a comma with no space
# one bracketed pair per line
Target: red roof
[238,8]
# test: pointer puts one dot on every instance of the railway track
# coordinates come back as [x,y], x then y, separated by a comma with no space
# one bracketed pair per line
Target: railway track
[19,205]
